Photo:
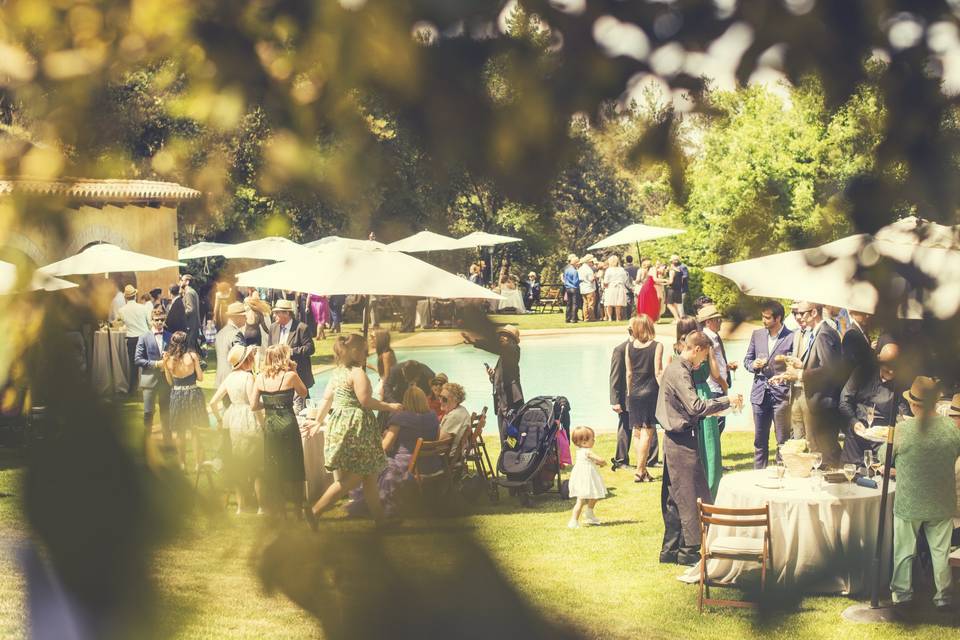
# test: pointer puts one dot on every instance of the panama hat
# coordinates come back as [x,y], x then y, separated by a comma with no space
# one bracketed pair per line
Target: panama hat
[285,305]
[510,330]
[239,354]
[922,391]
[236,309]
[953,411]
[573,258]
[129,292]
[708,312]
[588,258]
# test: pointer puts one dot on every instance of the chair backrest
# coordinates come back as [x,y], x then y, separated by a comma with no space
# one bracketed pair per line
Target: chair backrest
[430,449]
[731,517]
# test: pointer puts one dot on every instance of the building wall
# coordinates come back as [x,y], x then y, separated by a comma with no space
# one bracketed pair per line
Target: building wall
[149,230]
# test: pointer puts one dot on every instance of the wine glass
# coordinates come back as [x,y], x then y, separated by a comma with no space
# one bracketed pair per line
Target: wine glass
[868,462]
[849,472]
[817,460]
[781,469]
[871,412]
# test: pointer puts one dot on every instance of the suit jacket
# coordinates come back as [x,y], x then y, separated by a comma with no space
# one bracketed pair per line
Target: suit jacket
[856,350]
[507,392]
[823,371]
[145,355]
[227,338]
[176,316]
[759,348]
[301,346]
[618,376]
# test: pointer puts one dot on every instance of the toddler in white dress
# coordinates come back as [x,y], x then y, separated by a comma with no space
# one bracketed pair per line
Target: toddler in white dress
[585,483]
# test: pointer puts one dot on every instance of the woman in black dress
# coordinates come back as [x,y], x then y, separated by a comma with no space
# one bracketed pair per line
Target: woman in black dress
[188,409]
[644,366]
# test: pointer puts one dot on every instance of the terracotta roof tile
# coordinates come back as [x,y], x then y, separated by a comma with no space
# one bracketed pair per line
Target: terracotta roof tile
[84,190]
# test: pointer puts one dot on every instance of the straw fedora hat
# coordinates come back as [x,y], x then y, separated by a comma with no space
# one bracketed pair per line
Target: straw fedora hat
[708,312]
[236,309]
[923,390]
[509,330]
[129,292]
[238,355]
[953,411]
[285,305]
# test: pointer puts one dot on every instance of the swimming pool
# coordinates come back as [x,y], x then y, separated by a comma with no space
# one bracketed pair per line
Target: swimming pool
[576,366]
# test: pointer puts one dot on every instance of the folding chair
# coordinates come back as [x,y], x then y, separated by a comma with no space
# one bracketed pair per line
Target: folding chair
[475,451]
[733,547]
[426,450]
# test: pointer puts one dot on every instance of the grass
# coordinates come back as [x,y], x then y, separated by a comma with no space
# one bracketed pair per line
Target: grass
[604,581]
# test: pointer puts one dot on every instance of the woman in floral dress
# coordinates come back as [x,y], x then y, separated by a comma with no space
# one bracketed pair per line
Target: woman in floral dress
[352,447]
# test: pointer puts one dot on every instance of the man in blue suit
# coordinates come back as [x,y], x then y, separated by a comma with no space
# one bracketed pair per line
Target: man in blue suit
[149,358]
[771,401]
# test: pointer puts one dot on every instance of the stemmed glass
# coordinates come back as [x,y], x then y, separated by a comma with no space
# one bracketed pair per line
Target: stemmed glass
[781,469]
[868,461]
[871,412]
[849,472]
[817,460]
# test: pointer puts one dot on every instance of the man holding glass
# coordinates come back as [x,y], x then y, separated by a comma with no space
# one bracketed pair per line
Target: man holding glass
[870,398]
[770,402]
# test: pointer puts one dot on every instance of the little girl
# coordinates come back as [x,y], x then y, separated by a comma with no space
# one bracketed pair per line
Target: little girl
[585,484]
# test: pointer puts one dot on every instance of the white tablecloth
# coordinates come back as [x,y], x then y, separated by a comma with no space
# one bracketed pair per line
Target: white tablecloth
[512,299]
[110,351]
[317,476]
[823,541]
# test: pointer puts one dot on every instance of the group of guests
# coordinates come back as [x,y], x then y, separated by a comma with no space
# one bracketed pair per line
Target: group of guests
[604,289]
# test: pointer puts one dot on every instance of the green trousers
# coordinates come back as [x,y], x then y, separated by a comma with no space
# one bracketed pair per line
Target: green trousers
[938,534]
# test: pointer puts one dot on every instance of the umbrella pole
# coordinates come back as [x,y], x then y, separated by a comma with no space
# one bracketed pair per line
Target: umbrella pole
[875,612]
[366,315]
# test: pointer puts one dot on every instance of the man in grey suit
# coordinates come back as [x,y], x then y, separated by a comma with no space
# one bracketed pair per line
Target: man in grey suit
[820,367]
[191,307]
[229,336]
[148,357]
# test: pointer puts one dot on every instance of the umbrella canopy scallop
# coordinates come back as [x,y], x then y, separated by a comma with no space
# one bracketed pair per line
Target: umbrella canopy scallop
[484,239]
[270,248]
[203,250]
[106,258]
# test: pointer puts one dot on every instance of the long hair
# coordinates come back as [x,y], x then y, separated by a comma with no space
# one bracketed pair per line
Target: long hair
[344,345]
[685,326]
[415,400]
[178,345]
[277,360]
[381,339]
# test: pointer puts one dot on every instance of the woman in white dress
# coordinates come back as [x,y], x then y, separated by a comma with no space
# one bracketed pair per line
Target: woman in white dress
[243,423]
[616,282]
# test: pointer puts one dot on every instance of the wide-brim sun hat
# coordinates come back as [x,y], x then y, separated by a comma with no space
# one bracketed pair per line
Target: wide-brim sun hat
[923,390]
[708,312]
[509,330]
[239,354]
[953,411]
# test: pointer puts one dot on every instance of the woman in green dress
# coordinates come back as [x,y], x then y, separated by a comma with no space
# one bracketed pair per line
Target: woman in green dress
[352,448]
[708,435]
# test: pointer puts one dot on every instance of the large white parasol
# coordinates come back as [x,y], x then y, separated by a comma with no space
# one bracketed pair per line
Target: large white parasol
[635,234]
[269,248]
[825,274]
[9,282]
[106,258]
[426,241]
[336,242]
[376,272]
[484,239]
[203,250]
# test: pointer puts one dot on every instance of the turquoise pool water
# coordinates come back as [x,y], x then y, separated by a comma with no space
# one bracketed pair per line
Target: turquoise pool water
[575,366]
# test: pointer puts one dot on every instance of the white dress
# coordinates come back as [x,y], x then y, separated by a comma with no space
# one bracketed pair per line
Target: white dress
[246,438]
[585,481]
[616,281]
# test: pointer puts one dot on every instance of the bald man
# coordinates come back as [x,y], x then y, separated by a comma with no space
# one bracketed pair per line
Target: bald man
[876,386]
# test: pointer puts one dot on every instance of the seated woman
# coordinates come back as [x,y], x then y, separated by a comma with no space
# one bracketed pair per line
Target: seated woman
[399,440]
[436,387]
[456,418]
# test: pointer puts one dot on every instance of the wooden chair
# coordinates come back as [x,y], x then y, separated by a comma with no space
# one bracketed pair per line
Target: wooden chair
[551,300]
[733,547]
[439,450]
[475,451]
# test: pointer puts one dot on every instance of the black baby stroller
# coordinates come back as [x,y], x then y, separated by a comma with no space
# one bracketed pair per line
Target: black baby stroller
[529,460]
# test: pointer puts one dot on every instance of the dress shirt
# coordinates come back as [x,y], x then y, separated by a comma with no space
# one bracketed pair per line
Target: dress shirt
[772,341]
[719,356]
[158,336]
[285,332]
[865,388]
[587,279]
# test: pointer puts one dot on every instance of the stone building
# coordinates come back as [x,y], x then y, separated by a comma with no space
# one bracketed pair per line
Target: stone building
[139,215]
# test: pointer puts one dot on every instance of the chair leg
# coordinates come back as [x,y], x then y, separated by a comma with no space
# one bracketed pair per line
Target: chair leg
[703,583]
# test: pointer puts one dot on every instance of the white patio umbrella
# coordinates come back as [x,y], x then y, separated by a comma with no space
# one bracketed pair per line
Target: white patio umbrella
[347,271]
[426,241]
[484,239]
[826,274]
[39,281]
[270,248]
[106,258]
[336,242]
[635,234]
[203,250]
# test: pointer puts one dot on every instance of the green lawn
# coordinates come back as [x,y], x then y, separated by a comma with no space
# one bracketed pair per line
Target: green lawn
[603,581]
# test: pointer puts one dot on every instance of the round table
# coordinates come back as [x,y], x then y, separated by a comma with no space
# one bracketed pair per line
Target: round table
[822,540]
[110,364]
